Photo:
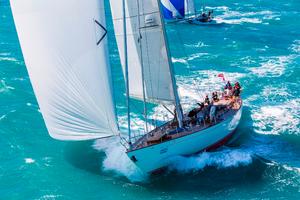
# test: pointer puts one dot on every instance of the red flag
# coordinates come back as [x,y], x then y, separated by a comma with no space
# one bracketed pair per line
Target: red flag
[221,76]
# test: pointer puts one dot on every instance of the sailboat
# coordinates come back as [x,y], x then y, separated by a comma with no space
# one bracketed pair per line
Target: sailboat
[65,48]
[184,10]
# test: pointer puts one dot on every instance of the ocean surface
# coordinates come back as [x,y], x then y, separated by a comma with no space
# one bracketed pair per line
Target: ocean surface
[256,43]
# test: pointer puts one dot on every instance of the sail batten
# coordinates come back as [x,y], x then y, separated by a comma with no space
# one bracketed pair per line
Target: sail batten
[147,54]
[65,52]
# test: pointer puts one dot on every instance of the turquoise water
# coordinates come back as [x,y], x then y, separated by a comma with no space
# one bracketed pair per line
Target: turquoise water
[258,44]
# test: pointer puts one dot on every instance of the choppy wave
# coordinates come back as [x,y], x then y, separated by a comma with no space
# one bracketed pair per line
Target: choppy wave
[192,57]
[179,60]
[4,87]
[198,45]
[8,58]
[273,66]
[295,47]
[237,17]
[277,119]
[11,59]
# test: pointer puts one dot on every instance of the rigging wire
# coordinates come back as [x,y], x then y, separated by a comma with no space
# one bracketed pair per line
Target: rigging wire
[142,66]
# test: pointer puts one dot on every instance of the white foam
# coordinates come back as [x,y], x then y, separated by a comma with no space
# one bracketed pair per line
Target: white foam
[179,60]
[11,59]
[294,169]
[264,13]
[117,161]
[2,117]
[198,45]
[196,55]
[5,54]
[50,197]
[277,119]
[217,8]
[236,17]
[4,87]
[271,92]
[238,21]
[220,159]
[29,160]
[273,66]
[295,47]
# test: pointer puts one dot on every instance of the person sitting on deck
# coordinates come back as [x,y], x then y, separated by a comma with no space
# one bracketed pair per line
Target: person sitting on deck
[206,112]
[228,90]
[206,100]
[228,86]
[215,97]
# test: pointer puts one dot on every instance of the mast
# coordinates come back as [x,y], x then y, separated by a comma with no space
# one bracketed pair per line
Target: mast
[126,73]
[178,107]
[142,65]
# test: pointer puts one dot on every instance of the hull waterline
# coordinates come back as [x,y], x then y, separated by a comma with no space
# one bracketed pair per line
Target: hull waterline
[152,158]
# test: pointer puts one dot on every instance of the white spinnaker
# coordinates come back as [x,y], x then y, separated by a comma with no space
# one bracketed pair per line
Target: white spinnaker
[69,72]
[157,76]
[189,8]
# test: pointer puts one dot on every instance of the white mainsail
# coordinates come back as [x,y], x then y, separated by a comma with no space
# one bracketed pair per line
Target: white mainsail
[147,51]
[189,7]
[65,51]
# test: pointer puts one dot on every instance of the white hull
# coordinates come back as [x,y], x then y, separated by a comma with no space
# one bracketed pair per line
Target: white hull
[151,158]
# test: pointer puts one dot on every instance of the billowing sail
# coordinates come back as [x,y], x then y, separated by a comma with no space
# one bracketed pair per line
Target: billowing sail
[65,51]
[147,51]
[173,9]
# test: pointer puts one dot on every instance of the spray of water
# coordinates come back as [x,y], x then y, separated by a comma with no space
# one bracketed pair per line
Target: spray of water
[117,161]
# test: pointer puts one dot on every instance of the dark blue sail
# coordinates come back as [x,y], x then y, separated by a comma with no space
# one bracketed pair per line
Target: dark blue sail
[172,9]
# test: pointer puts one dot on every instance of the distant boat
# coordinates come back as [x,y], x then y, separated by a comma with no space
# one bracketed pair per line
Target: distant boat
[184,10]
[66,54]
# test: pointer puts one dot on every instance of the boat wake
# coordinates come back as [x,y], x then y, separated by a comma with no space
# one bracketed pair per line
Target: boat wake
[224,158]
[116,160]
[237,17]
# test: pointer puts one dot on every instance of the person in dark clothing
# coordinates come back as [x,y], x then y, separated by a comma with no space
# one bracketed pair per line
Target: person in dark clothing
[215,96]
[237,85]
[201,106]
[206,100]
[237,89]
[228,86]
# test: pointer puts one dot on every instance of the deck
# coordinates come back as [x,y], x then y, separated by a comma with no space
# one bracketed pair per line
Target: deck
[169,131]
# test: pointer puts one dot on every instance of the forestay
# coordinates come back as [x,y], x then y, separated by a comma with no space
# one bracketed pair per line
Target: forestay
[65,51]
[147,51]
